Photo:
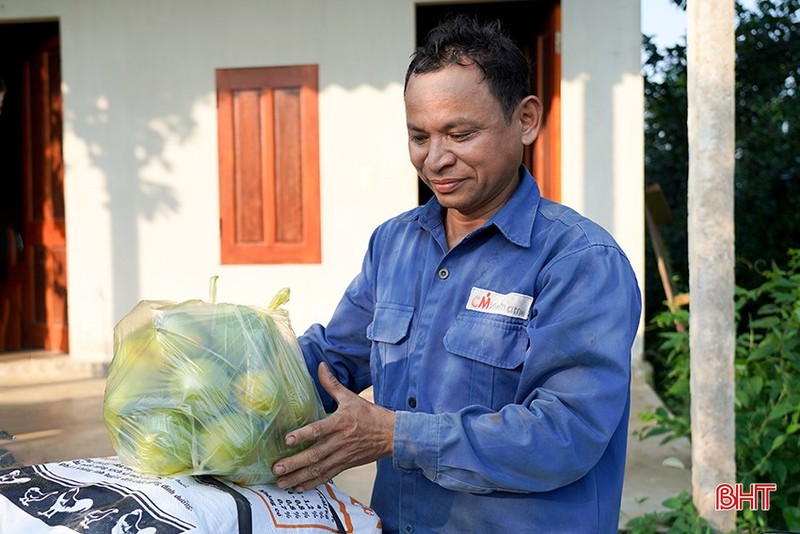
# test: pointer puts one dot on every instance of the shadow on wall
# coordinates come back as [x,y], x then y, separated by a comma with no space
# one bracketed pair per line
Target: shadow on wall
[138,97]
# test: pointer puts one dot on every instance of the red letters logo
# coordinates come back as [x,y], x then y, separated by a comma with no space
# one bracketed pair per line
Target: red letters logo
[733,496]
[484,302]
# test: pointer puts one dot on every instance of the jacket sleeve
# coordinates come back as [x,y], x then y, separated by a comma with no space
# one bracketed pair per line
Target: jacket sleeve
[343,344]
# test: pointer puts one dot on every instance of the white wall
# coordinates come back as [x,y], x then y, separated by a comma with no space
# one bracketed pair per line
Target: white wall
[602,121]
[140,141]
[140,145]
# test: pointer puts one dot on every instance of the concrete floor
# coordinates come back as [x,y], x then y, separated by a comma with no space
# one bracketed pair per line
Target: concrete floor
[52,404]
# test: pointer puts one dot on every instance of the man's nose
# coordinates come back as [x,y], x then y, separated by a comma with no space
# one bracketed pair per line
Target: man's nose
[439,155]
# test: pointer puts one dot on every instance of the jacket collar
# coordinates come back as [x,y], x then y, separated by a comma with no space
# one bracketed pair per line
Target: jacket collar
[514,220]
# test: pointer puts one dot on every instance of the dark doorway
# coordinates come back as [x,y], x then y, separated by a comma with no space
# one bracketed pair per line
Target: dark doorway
[535,27]
[33,289]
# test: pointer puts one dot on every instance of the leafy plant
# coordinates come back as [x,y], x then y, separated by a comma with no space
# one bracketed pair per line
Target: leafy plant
[767,370]
[673,352]
[768,395]
[680,517]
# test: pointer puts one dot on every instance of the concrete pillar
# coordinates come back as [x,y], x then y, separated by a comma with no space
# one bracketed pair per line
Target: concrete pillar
[711,109]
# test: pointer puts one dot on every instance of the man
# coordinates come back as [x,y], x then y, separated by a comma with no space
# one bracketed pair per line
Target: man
[494,325]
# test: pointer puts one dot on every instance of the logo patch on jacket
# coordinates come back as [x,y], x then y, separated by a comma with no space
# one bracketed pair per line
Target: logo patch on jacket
[510,304]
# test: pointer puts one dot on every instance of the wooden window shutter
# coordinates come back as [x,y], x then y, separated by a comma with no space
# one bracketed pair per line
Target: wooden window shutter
[269,165]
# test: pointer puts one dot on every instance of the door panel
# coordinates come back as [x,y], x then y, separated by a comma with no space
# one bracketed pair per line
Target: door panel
[44,319]
[546,151]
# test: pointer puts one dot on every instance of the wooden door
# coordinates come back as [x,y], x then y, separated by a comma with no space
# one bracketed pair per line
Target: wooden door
[544,156]
[44,318]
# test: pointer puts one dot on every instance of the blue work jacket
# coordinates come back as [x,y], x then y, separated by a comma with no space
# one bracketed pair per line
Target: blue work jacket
[506,360]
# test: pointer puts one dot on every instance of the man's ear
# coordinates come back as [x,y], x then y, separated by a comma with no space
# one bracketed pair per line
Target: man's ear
[530,118]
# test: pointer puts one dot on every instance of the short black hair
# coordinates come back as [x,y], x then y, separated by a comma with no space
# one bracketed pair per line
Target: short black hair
[463,40]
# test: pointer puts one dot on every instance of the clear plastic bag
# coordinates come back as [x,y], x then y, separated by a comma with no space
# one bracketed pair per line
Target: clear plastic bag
[204,388]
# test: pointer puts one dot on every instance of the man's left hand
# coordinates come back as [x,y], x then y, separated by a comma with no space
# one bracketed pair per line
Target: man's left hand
[357,433]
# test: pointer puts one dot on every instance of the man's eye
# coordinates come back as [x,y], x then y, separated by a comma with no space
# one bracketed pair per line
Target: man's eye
[417,139]
[461,136]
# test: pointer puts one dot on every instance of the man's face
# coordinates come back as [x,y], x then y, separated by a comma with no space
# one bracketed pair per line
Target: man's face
[460,142]
[2,97]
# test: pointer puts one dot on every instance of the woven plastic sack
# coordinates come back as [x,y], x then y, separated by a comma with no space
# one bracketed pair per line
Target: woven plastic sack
[204,388]
[101,496]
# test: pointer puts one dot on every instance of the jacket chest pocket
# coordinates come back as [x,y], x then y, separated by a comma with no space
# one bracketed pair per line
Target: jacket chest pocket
[489,354]
[388,331]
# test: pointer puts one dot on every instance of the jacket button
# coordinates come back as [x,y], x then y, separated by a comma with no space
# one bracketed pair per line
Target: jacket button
[412,402]
[443,273]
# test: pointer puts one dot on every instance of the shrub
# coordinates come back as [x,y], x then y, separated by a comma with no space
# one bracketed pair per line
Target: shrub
[680,517]
[767,370]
